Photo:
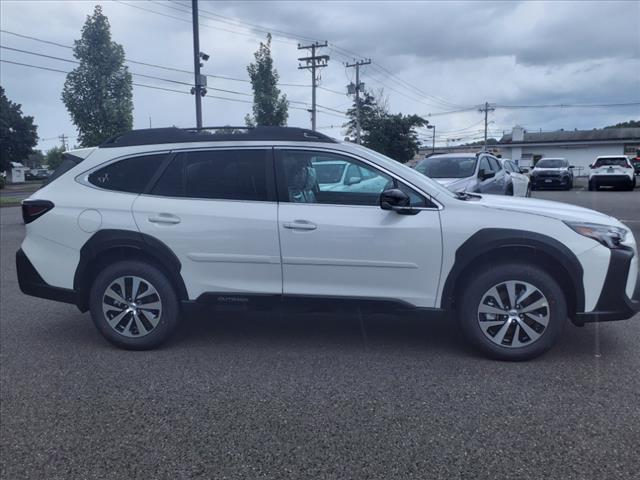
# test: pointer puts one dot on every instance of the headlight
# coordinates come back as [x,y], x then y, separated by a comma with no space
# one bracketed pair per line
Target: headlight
[607,235]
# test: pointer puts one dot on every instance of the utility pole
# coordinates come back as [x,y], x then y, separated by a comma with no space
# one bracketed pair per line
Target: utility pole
[200,81]
[312,63]
[63,139]
[358,87]
[486,109]
[433,148]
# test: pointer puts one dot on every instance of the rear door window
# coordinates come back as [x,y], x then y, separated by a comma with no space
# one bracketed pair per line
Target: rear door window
[131,175]
[242,174]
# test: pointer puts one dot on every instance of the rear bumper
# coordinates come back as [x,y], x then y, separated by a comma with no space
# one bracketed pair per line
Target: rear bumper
[31,283]
[612,180]
[614,304]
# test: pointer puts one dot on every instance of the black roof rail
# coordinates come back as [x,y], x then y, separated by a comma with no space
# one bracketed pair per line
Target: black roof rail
[151,136]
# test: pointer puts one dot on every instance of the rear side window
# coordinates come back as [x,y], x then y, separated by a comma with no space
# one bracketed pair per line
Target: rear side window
[131,175]
[216,174]
[68,162]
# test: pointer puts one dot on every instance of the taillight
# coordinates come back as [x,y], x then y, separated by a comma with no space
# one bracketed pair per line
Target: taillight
[32,209]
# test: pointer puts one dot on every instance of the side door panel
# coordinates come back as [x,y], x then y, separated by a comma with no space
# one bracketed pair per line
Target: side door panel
[356,250]
[223,244]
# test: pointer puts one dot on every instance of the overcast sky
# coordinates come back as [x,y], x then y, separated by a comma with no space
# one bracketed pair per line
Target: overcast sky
[443,56]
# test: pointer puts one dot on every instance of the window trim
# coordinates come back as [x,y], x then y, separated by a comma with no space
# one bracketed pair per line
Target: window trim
[83,178]
[280,179]
[270,180]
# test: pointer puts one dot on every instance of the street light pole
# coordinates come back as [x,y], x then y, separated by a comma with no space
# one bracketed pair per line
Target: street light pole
[433,147]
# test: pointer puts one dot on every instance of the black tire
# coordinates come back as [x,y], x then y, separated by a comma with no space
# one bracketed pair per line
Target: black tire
[164,291]
[632,184]
[482,281]
[593,185]
[528,194]
[509,191]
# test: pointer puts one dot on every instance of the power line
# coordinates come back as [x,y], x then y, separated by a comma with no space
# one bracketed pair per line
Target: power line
[152,77]
[154,87]
[569,105]
[163,67]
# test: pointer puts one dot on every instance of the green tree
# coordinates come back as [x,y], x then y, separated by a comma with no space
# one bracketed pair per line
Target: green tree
[18,134]
[393,135]
[372,107]
[269,107]
[98,93]
[628,124]
[35,159]
[54,157]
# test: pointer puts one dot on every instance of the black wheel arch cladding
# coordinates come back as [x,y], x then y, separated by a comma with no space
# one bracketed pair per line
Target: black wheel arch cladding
[114,241]
[488,241]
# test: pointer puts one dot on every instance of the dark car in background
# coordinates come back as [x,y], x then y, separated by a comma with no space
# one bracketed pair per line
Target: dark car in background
[467,172]
[552,173]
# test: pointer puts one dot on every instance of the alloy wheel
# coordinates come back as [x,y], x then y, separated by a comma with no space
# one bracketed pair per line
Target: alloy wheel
[132,306]
[513,314]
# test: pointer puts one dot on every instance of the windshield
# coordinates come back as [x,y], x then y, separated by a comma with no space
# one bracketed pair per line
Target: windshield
[329,172]
[618,162]
[551,163]
[447,167]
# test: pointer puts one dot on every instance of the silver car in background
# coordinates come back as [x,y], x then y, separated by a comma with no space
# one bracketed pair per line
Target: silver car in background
[467,172]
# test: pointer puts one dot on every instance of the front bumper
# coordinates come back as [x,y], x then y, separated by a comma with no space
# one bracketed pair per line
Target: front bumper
[614,304]
[550,181]
[31,283]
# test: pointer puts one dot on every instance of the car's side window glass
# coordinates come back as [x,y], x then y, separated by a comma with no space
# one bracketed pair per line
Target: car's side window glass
[508,166]
[314,177]
[131,175]
[495,164]
[216,174]
[484,164]
[416,199]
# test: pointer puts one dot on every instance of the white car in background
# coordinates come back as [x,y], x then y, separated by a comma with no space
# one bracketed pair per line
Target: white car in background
[521,183]
[612,171]
[337,176]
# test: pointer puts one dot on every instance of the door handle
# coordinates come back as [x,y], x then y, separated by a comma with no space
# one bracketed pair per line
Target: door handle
[165,218]
[300,225]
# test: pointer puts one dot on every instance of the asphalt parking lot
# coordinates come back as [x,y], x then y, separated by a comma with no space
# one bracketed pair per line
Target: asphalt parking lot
[314,396]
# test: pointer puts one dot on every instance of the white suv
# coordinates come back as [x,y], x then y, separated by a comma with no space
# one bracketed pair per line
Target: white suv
[156,222]
[612,171]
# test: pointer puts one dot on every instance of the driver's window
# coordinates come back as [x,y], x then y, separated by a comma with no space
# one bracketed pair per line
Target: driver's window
[314,177]
[484,164]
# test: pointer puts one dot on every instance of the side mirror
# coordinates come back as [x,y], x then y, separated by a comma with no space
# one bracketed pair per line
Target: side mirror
[352,180]
[396,200]
[484,175]
[572,166]
[524,170]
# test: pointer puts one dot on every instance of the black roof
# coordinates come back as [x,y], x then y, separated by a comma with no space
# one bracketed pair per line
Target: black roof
[151,136]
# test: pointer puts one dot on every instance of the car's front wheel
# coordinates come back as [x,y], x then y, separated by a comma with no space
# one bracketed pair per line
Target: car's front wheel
[134,305]
[512,311]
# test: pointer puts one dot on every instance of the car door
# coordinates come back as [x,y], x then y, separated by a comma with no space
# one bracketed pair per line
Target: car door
[340,243]
[216,210]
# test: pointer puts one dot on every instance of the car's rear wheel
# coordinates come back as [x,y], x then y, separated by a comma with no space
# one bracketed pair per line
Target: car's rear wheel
[593,185]
[133,305]
[512,311]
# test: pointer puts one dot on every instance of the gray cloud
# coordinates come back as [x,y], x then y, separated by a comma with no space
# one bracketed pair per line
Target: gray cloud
[464,52]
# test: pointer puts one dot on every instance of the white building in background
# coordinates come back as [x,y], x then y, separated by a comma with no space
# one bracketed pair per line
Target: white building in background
[579,147]
[17,172]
